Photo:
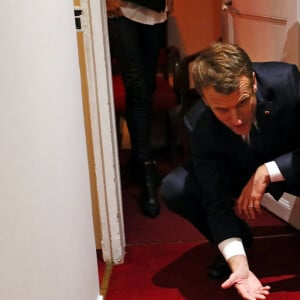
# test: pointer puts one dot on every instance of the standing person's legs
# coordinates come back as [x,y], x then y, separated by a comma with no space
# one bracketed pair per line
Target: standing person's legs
[141,83]
[128,40]
[126,47]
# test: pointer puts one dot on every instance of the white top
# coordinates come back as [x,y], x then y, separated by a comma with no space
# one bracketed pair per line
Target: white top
[143,14]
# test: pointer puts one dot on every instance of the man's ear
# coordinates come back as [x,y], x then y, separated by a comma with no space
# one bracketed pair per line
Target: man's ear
[254,82]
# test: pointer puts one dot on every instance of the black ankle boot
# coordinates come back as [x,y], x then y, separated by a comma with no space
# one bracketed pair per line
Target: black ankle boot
[135,169]
[149,203]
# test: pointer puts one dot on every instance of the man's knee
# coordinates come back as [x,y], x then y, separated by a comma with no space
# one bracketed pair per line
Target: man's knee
[172,187]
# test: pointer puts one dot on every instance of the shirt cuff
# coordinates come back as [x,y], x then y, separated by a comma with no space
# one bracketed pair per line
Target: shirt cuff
[274,172]
[231,247]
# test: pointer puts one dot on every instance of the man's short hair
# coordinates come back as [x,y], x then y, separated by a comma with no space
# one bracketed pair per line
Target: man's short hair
[220,66]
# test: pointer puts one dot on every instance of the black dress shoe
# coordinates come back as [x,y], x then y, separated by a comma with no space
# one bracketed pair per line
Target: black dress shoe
[219,269]
[149,203]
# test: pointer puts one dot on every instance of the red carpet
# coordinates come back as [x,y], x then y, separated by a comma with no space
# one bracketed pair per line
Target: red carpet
[179,271]
[169,259]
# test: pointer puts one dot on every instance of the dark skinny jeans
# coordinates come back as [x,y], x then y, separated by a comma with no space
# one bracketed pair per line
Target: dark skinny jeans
[136,47]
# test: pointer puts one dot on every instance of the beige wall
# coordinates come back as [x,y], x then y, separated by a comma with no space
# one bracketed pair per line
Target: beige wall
[194,24]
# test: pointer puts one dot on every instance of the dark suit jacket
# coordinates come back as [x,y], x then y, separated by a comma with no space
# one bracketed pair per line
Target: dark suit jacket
[223,162]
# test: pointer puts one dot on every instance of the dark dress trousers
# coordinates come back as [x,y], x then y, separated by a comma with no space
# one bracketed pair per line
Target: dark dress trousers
[203,190]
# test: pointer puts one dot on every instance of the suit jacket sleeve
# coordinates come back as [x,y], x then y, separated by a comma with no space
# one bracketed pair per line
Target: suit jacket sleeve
[287,116]
[212,162]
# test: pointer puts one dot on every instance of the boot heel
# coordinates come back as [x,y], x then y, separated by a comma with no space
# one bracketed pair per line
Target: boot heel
[149,203]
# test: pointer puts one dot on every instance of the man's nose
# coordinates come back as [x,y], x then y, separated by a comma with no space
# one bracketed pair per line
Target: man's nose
[235,117]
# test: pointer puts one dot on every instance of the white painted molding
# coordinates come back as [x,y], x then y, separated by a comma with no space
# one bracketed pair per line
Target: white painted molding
[286,208]
[103,129]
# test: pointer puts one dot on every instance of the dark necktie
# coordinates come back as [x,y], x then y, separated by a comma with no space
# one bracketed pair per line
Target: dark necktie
[255,138]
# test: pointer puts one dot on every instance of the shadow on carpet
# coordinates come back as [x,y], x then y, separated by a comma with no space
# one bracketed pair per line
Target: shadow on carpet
[179,271]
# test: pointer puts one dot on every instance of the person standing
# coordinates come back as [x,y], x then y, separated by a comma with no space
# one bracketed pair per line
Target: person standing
[136,30]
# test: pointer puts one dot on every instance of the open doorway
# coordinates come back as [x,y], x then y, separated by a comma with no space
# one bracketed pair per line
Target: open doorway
[99,107]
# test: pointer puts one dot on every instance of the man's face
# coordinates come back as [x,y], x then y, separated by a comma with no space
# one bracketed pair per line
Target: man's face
[236,110]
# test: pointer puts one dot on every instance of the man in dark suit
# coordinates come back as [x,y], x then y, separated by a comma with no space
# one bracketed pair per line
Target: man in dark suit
[245,141]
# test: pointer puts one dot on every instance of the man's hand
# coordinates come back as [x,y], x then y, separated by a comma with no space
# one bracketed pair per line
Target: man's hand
[247,284]
[249,201]
[113,8]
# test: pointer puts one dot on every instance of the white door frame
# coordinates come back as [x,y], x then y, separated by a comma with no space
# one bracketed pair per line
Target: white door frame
[103,128]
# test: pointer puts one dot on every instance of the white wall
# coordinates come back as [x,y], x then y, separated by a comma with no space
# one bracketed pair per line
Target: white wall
[267,29]
[47,248]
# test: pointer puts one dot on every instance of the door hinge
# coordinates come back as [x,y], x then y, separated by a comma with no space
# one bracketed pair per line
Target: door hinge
[78,18]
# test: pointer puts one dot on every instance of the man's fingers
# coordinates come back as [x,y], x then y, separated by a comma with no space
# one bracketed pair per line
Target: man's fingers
[253,208]
[251,211]
[263,292]
[257,206]
[227,284]
[248,208]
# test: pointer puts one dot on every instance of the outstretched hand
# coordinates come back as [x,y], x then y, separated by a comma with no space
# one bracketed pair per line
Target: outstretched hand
[247,284]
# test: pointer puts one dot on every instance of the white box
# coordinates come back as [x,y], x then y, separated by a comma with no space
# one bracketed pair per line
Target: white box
[286,208]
